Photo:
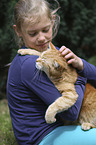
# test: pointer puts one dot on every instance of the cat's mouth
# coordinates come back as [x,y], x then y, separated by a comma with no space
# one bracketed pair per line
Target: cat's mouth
[38,66]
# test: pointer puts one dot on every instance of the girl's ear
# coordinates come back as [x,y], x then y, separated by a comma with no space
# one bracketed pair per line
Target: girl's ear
[53,20]
[16,31]
[53,17]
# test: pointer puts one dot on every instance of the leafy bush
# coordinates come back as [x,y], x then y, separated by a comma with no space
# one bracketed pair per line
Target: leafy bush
[92,60]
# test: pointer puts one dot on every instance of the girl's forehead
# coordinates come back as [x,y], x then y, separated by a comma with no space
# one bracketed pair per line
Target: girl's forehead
[42,23]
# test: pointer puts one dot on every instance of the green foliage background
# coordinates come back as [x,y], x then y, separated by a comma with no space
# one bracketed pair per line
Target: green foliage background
[77,31]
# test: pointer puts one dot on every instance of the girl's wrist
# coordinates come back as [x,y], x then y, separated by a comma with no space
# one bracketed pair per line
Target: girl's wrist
[80,64]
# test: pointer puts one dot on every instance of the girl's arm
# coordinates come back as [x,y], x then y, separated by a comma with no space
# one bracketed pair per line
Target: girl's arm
[88,71]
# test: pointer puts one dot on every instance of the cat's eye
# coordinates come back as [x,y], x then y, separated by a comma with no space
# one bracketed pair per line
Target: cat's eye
[56,65]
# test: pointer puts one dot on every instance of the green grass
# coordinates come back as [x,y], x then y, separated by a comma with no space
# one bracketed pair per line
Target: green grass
[6,132]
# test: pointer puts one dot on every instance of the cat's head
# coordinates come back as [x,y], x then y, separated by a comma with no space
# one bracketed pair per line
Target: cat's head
[51,62]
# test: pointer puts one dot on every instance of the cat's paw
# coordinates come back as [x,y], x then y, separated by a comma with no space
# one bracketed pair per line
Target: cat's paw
[50,115]
[50,119]
[23,51]
[86,126]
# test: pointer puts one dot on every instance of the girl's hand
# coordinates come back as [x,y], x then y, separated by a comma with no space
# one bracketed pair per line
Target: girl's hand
[71,58]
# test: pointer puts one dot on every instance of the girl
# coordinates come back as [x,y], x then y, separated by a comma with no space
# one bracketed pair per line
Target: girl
[30,93]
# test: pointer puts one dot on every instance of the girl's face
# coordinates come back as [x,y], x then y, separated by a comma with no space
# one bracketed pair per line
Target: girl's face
[37,36]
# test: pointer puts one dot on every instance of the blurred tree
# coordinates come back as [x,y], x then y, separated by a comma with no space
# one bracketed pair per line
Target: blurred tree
[77,29]
[7,42]
[6,31]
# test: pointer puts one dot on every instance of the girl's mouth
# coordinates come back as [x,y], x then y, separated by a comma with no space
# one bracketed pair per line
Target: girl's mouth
[43,46]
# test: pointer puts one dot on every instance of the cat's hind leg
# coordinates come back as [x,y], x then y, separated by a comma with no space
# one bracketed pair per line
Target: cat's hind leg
[86,126]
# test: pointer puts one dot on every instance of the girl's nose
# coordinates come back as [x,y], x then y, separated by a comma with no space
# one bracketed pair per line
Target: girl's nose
[41,37]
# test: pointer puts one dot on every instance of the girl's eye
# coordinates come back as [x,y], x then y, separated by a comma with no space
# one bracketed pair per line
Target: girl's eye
[33,34]
[45,30]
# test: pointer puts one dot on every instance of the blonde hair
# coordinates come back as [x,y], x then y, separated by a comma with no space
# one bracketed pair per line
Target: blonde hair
[33,10]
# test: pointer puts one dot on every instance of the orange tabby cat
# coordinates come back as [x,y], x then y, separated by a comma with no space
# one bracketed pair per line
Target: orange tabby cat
[64,77]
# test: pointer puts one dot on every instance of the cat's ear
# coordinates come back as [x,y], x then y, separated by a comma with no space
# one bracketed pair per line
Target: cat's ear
[52,46]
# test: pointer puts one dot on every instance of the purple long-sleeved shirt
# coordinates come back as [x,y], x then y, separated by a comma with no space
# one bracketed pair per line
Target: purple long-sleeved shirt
[29,93]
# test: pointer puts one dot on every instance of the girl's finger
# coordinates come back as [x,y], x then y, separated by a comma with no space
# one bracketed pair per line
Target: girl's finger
[62,48]
[69,56]
[71,61]
[66,51]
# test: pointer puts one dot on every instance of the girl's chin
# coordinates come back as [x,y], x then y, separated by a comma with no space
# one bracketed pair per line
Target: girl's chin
[42,48]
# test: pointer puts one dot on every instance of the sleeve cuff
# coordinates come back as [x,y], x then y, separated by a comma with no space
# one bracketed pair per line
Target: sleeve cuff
[83,72]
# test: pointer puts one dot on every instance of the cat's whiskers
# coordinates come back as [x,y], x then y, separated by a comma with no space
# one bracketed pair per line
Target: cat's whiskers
[46,69]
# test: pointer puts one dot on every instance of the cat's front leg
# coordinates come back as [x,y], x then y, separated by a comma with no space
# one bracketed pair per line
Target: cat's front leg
[51,113]
[53,109]
[24,51]
[28,52]
[61,104]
